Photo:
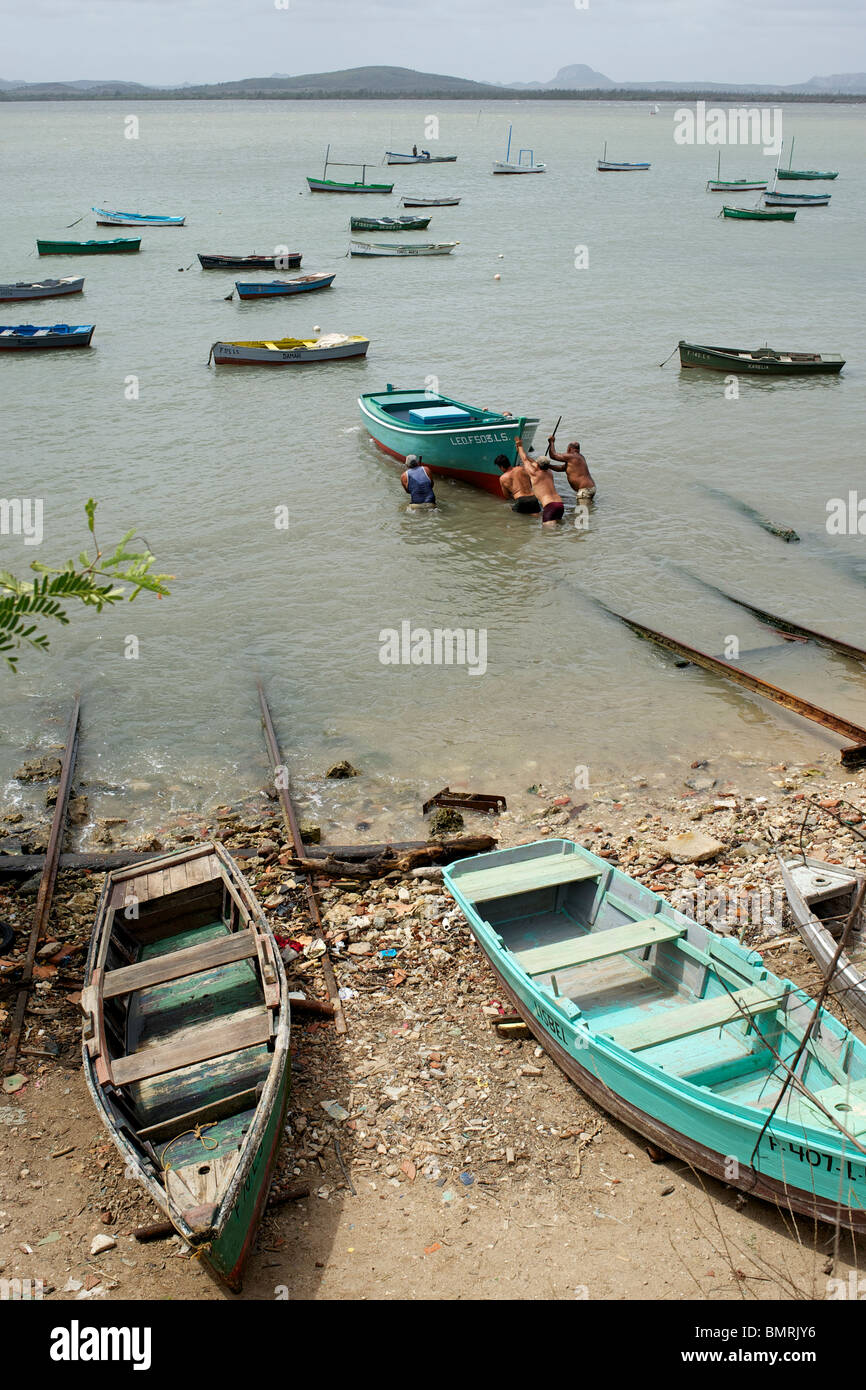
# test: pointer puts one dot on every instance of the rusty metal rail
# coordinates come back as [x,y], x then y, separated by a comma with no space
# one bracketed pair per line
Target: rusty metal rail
[293,828]
[45,895]
[851,757]
[795,629]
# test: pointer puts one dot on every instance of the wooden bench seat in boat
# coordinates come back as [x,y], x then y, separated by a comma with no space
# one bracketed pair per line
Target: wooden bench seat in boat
[649,931]
[505,880]
[847,1102]
[250,1028]
[696,1018]
[223,950]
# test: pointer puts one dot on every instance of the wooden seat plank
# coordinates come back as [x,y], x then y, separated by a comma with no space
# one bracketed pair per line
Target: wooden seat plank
[192,960]
[215,1041]
[578,950]
[501,881]
[697,1018]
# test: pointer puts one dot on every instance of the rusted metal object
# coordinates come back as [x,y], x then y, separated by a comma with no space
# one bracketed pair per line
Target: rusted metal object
[42,910]
[851,757]
[786,625]
[466,801]
[293,828]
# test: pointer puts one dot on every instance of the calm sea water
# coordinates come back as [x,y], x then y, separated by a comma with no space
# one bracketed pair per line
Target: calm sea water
[201,460]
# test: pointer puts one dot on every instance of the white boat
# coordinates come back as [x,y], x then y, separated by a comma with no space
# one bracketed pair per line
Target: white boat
[506,166]
[42,289]
[430,202]
[796,200]
[610,166]
[288,351]
[821,896]
[106,218]
[423,158]
[383,248]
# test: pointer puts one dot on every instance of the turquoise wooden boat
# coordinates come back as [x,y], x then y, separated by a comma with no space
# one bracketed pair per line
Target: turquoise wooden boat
[113,246]
[105,218]
[186,1044]
[455,440]
[326,185]
[684,1035]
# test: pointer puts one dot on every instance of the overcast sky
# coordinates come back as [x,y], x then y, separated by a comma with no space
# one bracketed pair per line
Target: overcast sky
[175,41]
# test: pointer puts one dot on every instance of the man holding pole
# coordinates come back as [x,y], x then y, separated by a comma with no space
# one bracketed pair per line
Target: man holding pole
[573,465]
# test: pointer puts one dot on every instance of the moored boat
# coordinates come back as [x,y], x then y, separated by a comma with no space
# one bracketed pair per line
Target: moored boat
[104,218]
[720,185]
[454,440]
[821,897]
[796,200]
[680,1033]
[804,174]
[609,166]
[105,247]
[186,1044]
[423,158]
[280,352]
[326,185]
[402,248]
[287,260]
[271,289]
[760,214]
[521,165]
[42,289]
[58,335]
[764,359]
[388,224]
[429,202]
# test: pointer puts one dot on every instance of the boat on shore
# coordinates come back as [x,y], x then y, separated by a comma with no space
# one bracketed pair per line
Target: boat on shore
[720,185]
[105,247]
[522,166]
[760,214]
[401,248]
[287,352]
[134,219]
[326,185]
[289,260]
[429,202]
[273,289]
[42,289]
[609,166]
[58,335]
[423,158]
[454,440]
[764,360]
[388,224]
[684,1035]
[773,199]
[821,897]
[186,1045]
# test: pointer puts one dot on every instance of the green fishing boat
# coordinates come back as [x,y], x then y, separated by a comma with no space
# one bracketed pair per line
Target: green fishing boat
[720,185]
[682,1034]
[804,174]
[326,185]
[105,247]
[765,360]
[453,439]
[760,214]
[186,1044]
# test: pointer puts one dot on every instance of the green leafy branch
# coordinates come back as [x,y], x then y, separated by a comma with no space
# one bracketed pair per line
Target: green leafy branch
[95,580]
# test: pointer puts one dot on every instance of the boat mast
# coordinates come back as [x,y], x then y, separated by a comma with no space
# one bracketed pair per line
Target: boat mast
[325,170]
[604,156]
[508,149]
[791,155]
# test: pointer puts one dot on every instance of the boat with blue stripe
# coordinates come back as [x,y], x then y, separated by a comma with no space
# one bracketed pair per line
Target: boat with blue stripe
[272,289]
[104,218]
[58,335]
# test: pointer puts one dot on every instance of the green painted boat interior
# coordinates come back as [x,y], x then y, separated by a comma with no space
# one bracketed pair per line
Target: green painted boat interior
[398,405]
[633,972]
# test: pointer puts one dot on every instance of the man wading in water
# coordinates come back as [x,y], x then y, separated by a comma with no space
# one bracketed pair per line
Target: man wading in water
[417,481]
[574,466]
[516,484]
[552,505]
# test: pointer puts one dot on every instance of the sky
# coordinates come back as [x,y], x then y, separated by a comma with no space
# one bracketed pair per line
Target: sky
[175,41]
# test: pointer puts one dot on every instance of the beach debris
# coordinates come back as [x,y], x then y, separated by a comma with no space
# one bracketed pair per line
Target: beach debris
[445,821]
[342,769]
[467,801]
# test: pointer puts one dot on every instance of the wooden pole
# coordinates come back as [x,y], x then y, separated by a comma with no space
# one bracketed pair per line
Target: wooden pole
[45,894]
[293,828]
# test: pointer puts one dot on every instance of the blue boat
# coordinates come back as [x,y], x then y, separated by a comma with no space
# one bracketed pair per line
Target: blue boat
[270,289]
[104,218]
[59,335]
[683,1034]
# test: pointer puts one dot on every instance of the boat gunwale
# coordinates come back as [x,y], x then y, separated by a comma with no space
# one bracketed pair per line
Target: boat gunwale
[503,422]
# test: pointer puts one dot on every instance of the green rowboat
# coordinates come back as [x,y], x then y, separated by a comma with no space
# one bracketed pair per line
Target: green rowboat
[453,439]
[682,1034]
[764,360]
[326,185]
[804,174]
[186,1044]
[760,214]
[113,245]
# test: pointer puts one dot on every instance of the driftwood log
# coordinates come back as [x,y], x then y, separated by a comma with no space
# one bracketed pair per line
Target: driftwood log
[377,866]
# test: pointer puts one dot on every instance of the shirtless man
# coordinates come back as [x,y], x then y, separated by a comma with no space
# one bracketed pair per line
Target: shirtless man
[574,466]
[516,484]
[543,486]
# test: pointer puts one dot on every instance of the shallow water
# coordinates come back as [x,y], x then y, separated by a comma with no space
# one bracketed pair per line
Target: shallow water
[202,459]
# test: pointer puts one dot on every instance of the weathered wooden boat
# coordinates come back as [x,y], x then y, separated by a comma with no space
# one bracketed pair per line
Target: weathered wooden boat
[423,158]
[720,185]
[763,359]
[401,248]
[821,897]
[106,247]
[104,218]
[186,1044]
[804,174]
[271,289]
[760,214]
[521,166]
[389,224]
[290,260]
[58,335]
[682,1034]
[280,352]
[429,202]
[455,440]
[42,289]
[326,185]
[796,200]
[609,166]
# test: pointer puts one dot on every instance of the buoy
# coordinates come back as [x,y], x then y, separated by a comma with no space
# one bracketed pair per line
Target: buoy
[316,328]
[501,256]
[497,277]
